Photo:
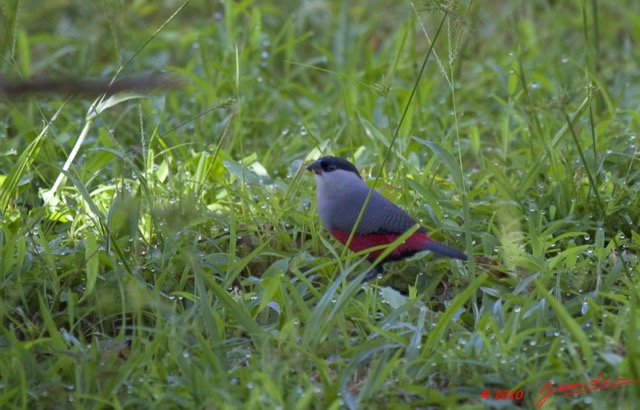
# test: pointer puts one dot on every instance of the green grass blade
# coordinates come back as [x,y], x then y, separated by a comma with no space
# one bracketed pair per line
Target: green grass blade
[437,334]
[570,324]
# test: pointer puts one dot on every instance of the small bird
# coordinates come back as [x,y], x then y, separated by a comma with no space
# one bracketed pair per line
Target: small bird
[341,193]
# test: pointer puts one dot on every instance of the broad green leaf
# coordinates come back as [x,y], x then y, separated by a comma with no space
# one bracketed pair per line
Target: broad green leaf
[455,169]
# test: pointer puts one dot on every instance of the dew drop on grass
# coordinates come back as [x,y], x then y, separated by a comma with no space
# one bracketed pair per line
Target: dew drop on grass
[587,237]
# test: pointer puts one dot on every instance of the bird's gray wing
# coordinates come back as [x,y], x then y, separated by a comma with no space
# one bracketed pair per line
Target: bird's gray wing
[382,215]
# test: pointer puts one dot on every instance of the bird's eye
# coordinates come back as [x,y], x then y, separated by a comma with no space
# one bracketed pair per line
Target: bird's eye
[327,166]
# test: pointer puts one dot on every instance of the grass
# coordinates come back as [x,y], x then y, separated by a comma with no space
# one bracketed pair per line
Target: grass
[180,263]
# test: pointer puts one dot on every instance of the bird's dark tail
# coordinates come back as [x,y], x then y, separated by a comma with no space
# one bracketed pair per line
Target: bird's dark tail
[443,250]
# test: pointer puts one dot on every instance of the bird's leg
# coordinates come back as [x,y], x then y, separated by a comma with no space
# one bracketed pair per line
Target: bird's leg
[374,272]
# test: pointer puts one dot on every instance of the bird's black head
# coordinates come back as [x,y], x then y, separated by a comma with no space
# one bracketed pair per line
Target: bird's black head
[330,164]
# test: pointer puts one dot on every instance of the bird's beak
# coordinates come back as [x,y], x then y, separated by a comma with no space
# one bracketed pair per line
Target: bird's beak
[315,168]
